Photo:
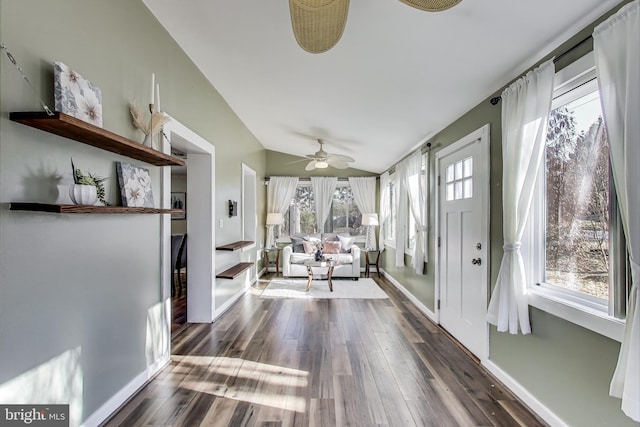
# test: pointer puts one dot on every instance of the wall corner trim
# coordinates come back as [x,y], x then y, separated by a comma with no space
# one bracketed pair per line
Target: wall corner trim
[524,395]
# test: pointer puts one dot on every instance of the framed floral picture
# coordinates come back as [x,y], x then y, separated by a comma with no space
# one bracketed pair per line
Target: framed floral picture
[135,186]
[179,201]
[76,96]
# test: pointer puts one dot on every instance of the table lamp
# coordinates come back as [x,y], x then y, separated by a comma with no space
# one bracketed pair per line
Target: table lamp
[369,220]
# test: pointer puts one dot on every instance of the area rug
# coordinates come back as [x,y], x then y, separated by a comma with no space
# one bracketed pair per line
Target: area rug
[297,288]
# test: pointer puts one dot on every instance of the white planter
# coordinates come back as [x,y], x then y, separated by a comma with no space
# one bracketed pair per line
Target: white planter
[83,194]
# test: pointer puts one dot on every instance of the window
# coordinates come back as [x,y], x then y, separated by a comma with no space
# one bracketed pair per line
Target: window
[459,180]
[575,242]
[301,215]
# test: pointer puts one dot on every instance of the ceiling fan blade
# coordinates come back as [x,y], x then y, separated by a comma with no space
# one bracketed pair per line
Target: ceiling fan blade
[311,156]
[310,166]
[298,161]
[338,164]
[341,158]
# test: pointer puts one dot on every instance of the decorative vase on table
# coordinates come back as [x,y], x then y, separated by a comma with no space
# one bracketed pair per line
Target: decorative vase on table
[319,255]
[82,194]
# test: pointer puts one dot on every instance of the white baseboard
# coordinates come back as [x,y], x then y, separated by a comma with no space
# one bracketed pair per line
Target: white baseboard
[523,394]
[124,394]
[229,303]
[419,305]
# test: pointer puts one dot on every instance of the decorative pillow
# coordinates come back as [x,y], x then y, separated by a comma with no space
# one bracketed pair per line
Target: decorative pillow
[309,247]
[346,243]
[296,243]
[331,248]
[329,237]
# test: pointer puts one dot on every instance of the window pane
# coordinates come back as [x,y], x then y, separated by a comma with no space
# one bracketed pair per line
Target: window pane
[468,188]
[345,216]
[458,170]
[468,167]
[458,190]
[449,192]
[577,194]
[450,176]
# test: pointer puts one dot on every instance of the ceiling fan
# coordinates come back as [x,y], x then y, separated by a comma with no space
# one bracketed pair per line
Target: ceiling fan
[321,159]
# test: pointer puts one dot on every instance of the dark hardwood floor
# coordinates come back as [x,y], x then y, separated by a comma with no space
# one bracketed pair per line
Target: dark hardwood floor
[338,362]
[179,306]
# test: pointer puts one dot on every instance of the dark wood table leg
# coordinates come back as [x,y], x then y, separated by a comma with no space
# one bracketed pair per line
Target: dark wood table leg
[377,261]
[266,259]
[278,262]
[329,274]
[366,263]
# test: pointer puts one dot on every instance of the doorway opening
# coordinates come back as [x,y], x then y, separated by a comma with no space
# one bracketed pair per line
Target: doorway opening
[195,187]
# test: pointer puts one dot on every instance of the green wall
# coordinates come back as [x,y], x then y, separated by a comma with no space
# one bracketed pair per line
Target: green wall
[566,367]
[80,297]
[281,164]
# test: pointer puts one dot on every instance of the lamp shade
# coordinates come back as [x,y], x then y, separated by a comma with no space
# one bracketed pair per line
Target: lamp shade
[274,218]
[369,219]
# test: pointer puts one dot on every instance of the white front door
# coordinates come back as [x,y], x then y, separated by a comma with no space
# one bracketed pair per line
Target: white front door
[463,234]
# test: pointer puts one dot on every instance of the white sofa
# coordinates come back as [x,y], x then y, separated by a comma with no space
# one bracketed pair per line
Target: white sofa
[293,263]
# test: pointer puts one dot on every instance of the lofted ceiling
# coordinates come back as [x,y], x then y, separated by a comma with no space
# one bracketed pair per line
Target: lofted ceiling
[396,77]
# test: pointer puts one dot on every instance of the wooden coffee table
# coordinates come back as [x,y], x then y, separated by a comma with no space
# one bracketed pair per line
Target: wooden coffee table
[311,264]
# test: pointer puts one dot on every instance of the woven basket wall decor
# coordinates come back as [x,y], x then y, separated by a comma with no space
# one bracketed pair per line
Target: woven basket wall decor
[431,5]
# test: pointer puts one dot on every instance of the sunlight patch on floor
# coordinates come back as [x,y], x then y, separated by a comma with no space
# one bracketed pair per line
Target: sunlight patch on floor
[237,379]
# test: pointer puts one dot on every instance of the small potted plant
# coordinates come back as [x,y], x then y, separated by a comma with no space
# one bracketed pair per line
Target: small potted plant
[86,188]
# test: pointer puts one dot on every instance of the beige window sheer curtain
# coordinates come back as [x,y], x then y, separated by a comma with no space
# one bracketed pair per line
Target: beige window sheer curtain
[617,53]
[323,189]
[526,105]
[401,212]
[384,208]
[364,194]
[416,185]
[280,191]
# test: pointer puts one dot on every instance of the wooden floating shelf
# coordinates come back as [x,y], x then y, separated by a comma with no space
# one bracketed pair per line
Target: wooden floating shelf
[235,245]
[235,271]
[88,209]
[70,127]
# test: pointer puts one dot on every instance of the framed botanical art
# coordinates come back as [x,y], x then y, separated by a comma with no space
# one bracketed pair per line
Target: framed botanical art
[75,95]
[179,201]
[135,185]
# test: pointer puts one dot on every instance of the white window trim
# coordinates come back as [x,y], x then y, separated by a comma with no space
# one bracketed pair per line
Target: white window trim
[590,313]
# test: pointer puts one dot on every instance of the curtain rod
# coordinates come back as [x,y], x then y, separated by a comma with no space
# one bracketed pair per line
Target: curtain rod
[304,179]
[497,99]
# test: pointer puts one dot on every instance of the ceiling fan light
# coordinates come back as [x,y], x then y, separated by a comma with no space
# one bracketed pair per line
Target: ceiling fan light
[321,164]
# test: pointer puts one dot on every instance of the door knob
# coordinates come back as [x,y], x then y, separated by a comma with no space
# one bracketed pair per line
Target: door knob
[476,261]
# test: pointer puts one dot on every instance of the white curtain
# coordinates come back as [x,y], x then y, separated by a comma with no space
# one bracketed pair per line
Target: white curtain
[401,212]
[364,194]
[323,189]
[280,191]
[416,185]
[384,208]
[617,54]
[526,105]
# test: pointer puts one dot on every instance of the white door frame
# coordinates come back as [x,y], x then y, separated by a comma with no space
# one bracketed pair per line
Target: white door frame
[482,134]
[200,223]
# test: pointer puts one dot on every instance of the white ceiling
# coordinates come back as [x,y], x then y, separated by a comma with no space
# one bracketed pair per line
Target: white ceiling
[397,76]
